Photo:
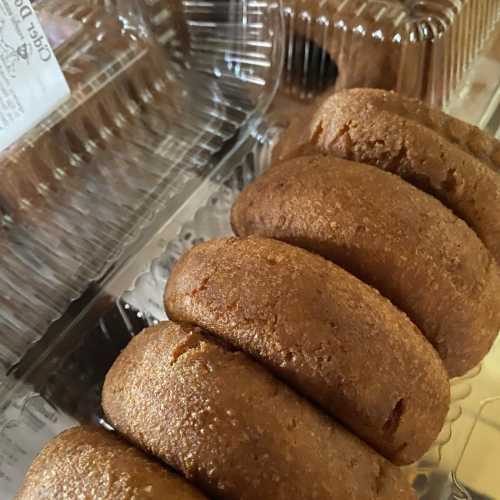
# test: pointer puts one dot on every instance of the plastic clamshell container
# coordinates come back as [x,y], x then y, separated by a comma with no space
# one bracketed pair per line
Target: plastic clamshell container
[421,48]
[61,382]
[58,382]
[161,90]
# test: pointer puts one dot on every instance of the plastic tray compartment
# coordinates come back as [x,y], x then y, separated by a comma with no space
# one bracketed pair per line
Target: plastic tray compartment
[62,386]
[421,48]
[161,89]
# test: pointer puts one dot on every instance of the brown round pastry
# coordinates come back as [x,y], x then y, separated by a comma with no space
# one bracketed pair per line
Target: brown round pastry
[335,339]
[394,237]
[456,162]
[232,428]
[90,462]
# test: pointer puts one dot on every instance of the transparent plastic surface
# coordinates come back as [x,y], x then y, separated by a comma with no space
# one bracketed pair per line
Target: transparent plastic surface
[60,384]
[160,92]
[478,98]
[422,48]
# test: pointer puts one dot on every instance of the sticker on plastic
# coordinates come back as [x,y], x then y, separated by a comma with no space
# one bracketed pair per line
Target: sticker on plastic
[32,84]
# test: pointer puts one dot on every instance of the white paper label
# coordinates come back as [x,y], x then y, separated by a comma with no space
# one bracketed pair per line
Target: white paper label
[32,84]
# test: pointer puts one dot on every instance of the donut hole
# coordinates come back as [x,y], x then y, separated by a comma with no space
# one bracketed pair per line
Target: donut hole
[310,69]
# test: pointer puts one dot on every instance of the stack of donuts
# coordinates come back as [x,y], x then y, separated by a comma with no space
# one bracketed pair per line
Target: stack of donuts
[310,356]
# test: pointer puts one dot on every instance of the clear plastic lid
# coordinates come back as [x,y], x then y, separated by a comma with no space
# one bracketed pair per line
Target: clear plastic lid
[478,98]
[160,91]
[421,48]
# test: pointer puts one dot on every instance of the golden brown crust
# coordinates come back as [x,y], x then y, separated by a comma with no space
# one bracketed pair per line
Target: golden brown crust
[392,236]
[321,330]
[232,428]
[454,161]
[89,462]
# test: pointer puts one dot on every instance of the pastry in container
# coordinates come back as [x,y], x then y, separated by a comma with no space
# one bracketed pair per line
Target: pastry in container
[67,377]
[238,433]
[419,48]
[396,238]
[449,159]
[426,237]
[90,462]
[327,334]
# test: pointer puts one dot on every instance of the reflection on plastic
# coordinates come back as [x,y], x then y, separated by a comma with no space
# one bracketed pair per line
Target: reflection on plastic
[478,466]
[141,131]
